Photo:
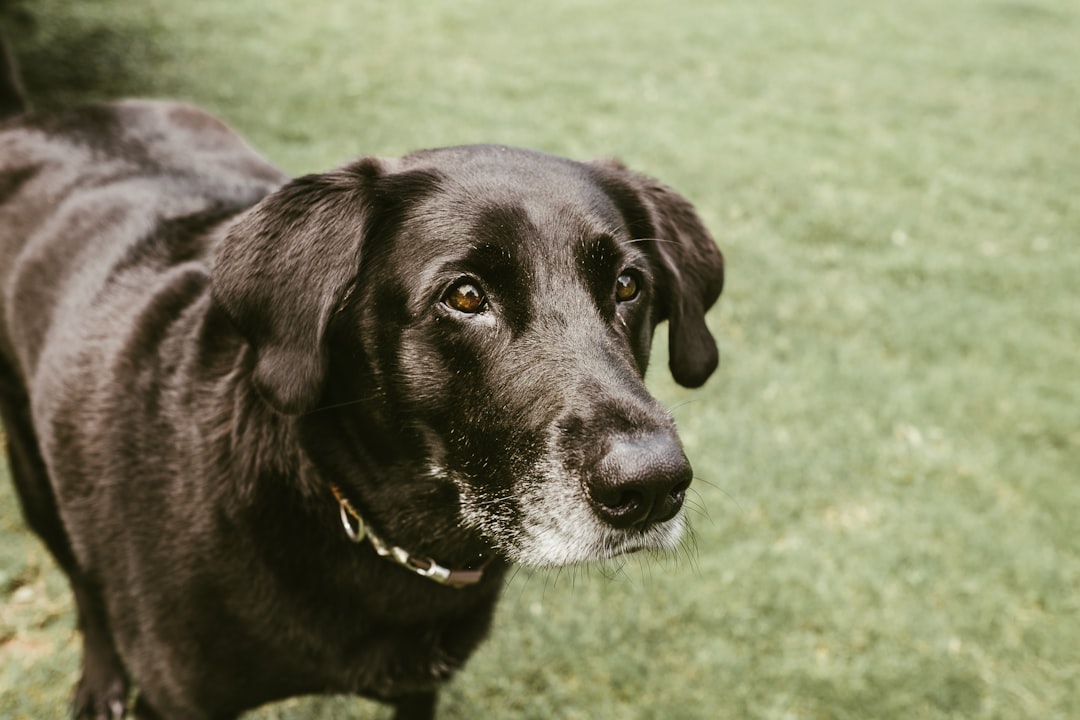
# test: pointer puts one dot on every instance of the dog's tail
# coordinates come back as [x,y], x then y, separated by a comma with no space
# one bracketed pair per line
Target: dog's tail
[12,98]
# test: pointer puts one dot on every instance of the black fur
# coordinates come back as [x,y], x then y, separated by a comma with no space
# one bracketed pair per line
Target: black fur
[194,347]
[12,97]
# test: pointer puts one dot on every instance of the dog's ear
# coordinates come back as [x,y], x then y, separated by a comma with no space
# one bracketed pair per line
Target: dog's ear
[690,265]
[285,266]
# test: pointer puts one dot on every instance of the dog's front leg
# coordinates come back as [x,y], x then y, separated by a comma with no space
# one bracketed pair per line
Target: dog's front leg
[416,707]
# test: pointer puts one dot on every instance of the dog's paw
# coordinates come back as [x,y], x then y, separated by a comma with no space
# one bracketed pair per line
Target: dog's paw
[100,696]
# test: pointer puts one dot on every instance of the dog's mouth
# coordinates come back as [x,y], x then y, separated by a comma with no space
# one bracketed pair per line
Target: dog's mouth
[577,538]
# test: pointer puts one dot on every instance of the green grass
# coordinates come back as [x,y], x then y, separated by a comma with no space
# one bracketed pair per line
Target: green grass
[886,517]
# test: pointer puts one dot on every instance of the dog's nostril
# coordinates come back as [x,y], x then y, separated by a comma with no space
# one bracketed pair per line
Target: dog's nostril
[623,502]
[678,493]
[639,481]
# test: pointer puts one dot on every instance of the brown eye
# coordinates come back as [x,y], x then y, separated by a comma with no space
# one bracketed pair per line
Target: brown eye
[626,287]
[466,298]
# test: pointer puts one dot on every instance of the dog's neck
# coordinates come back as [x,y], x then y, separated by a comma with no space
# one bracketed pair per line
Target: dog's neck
[422,566]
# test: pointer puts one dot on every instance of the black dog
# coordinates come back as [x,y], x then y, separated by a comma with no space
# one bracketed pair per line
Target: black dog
[213,378]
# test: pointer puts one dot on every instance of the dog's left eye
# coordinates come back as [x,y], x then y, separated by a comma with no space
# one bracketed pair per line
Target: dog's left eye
[627,287]
[465,297]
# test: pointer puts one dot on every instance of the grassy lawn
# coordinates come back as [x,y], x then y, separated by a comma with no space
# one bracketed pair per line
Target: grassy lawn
[887,512]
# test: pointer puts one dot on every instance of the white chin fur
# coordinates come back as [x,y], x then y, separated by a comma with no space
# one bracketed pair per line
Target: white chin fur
[569,543]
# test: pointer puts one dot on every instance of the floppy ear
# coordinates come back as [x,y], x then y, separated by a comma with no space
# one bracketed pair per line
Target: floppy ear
[282,270]
[690,265]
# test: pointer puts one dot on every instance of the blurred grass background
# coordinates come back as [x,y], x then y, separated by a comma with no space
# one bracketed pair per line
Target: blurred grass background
[887,512]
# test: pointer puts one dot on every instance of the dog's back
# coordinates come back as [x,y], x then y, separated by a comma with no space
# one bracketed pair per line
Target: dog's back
[83,193]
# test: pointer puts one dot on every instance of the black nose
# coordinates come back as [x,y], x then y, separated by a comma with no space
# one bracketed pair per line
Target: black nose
[640,480]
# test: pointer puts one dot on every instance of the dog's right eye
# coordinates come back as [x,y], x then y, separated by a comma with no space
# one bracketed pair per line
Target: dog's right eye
[465,297]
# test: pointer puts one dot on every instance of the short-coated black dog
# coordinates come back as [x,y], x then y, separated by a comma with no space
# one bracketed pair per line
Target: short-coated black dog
[287,436]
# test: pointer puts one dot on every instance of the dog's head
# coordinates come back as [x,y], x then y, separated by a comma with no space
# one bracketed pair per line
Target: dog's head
[469,327]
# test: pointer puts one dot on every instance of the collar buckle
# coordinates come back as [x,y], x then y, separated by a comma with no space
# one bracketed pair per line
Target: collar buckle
[357,534]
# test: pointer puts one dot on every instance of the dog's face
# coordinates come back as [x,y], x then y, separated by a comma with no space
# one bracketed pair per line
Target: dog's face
[477,321]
